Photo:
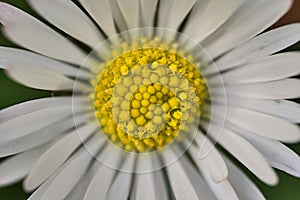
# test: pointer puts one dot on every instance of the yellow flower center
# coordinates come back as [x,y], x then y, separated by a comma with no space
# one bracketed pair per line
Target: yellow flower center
[148,96]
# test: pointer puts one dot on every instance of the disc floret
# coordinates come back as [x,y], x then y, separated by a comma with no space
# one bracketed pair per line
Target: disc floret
[146,97]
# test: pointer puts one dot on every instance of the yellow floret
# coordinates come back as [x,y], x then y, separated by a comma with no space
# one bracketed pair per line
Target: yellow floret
[146,95]
[158,120]
[151,90]
[135,104]
[141,121]
[177,114]
[173,102]
[143,110]
[142,89]
[145,103]
[154,78]
[135,113]
[124,70]
[164,80]
[124,116]
[138,96]
[159,95]
[153,99]
[137,80]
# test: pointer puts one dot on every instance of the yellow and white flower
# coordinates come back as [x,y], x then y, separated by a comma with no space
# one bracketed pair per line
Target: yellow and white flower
[142,92]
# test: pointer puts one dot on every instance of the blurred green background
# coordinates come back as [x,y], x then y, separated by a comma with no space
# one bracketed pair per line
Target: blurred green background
[12,93]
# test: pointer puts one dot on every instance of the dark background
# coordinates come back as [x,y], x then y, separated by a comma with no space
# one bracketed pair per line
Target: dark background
[12,93]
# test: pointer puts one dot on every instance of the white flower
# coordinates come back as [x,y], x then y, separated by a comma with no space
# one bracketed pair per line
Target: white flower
[62,152]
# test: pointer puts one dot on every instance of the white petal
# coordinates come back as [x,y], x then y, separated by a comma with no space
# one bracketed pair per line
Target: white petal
[15,146]
[117,15]
[40,78]
[70,175]
[216,167]
[37,195]
[18,127]
[161,187]
[145,187]
[40,137]
[110,155]
[272,68]
[244,187]
[222,190]
[260,46]
[79,190]
[36,36]
[164,10]
[32,106]
[19,58]
[243,25]
[277,154]
[57,155]
[264,125]
[177,12]
[208,155]
[181,186]
[17,167]
[120,187]
[100,184]
[287,110]
[130,11]
[197,180]
[245,153]
[207,16]
[101,13]
[69,18]
[148,12]
[281,89]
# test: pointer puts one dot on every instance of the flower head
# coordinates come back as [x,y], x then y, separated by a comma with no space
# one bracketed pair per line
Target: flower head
[145,94]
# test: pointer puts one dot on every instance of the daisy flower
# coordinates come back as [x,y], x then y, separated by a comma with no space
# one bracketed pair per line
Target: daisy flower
[151,99]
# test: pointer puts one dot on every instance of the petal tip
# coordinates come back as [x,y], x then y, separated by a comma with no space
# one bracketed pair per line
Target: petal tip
[3,8]
[273,181]
[27,185]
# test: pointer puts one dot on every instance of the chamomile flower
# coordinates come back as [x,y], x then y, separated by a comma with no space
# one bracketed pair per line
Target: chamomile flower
[145,94]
